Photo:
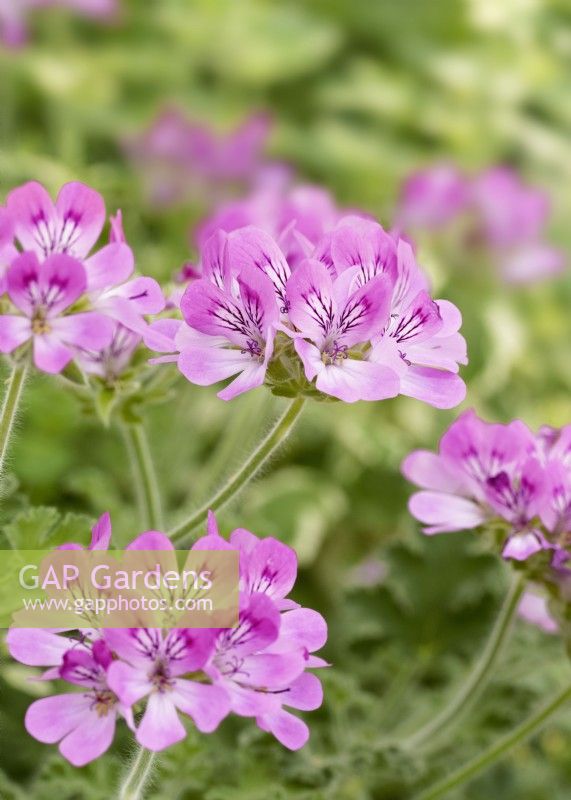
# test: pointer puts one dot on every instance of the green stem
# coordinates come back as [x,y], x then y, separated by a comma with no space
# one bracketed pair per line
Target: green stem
[138,776]
[15,384]
[146,484]
[478,678]
[245,473]
[496,751]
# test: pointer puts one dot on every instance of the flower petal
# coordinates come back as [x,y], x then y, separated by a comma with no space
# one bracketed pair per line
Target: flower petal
[111,265]
[14,331]
[206,705]
[160,726]
[445,513]
[81,213]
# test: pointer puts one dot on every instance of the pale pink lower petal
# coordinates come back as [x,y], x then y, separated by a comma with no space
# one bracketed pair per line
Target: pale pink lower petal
[207,365]
[252,377]
[445,513]
[90,740]
[310,357]
[305,693]
[273,670]
[358,380]
[290,731]
[207,705]
[52,718]
[144,294]
[435,387]
[160,726]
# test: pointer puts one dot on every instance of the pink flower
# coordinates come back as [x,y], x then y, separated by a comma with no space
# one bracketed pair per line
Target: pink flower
[358,312]
[177,155]
[42,293]
[152,663]
[339,323]
[262,663]
[433,197]
[512,218]
[7,250]
[486,472]
[72,226]
[83,723]
[533,608]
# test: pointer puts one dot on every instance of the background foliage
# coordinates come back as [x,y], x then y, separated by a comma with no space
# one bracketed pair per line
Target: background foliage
[362,93]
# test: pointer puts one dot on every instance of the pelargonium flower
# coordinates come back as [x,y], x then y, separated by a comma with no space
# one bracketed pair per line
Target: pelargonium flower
[357,314]
[511,217]
[13,14]
[151,664]
[484,473]
[177,155]
[258,669]
[7,250]
[44,293]
[262,663]
[83,723]
[433,197]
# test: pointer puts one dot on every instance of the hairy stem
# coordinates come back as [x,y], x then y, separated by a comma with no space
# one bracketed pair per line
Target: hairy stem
[146,484]
[15,384]
[498,750]
[275,437]
[478,678]
[133,786]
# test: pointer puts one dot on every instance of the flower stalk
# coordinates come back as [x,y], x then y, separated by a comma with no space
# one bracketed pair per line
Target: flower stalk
[478,678]
[15,385]
[138,777]
[146,484]
[494,753]
[267,447]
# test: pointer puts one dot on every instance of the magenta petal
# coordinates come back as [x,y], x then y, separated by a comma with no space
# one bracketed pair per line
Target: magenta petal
[301,628]
[206,705]
[110,266]
[363,243]
[14,331]
[89,740]
[273,670]
[62,279]
[160,726]
[101,533]
[81,212]
[271,567]
[151,540]
[523,545]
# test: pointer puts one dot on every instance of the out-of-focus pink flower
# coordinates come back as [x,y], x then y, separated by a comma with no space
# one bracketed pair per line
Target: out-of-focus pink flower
[178,156]
[433,197]
[14,13]
[534,608]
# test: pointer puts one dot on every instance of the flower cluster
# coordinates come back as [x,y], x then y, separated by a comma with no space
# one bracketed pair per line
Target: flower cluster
[496,211]
[69,300]
[353,319]
[500,476]
[178,156]
[13,13]
[148,676]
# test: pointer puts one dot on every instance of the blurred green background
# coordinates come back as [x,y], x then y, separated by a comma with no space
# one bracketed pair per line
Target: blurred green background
[362,93]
